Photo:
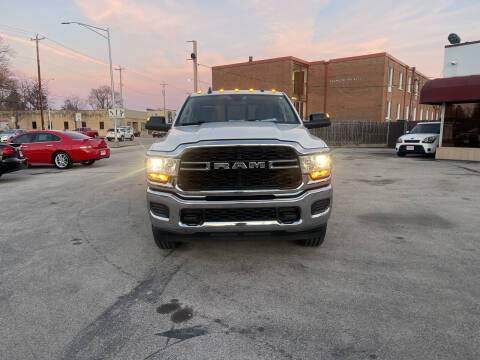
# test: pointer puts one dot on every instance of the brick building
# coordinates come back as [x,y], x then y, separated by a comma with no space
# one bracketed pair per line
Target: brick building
[375,87]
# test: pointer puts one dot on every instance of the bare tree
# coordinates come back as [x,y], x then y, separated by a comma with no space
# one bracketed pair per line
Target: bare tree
[101,98]
[28,90]
[73,102]
[7,82]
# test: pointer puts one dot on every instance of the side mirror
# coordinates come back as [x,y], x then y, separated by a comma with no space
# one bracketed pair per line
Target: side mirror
[317,120]
[157,123]
[407,132]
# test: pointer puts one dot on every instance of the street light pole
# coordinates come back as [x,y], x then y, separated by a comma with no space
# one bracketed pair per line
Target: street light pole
[107,37]
[111,82]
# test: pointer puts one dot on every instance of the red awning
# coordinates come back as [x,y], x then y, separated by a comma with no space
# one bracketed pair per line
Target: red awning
[454,89]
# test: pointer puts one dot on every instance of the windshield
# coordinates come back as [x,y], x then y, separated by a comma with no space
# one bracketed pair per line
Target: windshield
[426,129]
[241,107]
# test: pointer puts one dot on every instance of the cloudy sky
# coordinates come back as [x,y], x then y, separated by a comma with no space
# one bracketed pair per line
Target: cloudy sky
[149,38]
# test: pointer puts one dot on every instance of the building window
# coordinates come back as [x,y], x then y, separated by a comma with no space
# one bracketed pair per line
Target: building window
[84,124]
[400,80]
[416,89]
[414,115]
[421,113]
[409,84]
[143,127]
[34,124]
[387,112]
[426,115]
[65,125]
[390,79]
[398,111]
[461,125]
[102,125]
[407,112]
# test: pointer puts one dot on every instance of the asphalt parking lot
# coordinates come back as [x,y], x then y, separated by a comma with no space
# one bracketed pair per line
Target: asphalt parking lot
[397,277]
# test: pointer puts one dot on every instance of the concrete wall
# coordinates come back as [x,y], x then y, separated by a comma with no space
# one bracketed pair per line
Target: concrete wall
[458,153]
[65,119]
[462,59]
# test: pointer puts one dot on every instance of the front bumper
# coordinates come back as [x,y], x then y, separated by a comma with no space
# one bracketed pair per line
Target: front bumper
[418,148]
[307,221]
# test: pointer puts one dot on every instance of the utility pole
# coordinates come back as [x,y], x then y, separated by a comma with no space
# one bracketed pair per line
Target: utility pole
[194,58]
[163,93]
[37,39]
[120,69]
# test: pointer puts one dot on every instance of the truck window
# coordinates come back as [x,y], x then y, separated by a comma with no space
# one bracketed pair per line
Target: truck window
[241,107]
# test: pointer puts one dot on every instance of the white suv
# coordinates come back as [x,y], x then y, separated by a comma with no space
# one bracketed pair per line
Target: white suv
[422,139]
[123,133]
[127,132]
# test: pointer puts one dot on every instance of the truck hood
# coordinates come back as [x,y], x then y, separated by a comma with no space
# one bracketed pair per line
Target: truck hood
[238,130]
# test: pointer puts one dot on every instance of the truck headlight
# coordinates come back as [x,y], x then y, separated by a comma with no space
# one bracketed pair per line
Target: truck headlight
[160,169]
[399,140]
[429,139]
[318,166]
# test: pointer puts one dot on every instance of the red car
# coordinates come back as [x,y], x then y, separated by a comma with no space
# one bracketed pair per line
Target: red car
[87,131]
[61,148]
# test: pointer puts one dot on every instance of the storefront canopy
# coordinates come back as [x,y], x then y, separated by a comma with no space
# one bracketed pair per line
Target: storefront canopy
[454,89]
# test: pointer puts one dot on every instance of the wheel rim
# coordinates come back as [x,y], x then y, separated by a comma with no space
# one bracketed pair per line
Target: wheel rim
[61,160]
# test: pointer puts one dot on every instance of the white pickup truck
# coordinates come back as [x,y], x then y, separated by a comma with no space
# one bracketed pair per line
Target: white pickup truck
[239,164]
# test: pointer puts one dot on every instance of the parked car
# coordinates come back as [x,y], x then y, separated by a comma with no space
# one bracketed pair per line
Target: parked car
[128,131]
[61,148]
[422,139]
[158,119]
[123,133]
[8,134]
[11,159]
[158,133]
[87,131]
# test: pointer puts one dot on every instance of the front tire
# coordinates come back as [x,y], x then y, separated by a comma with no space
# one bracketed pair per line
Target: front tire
[161,241]
[122,138]
[132,138]
[62,160]
[317,240]
[88,162]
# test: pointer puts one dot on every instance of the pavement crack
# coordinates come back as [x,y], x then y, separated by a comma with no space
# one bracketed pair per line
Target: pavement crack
[106,335]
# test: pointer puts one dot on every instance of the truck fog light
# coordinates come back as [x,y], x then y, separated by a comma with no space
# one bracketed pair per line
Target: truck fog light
[315,175]
[161,178]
